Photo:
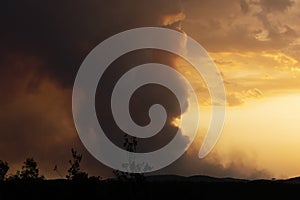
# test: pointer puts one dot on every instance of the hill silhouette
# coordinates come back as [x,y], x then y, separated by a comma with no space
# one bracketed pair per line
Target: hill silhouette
[152,187]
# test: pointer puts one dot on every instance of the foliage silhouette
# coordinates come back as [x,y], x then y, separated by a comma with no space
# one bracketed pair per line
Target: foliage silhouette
[3,170]
[74,172]
[130,144]
[29,171]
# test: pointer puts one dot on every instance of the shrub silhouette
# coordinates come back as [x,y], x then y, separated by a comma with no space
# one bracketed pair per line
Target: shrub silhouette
[29,171]
[74,172]
[3,170]
[130,144]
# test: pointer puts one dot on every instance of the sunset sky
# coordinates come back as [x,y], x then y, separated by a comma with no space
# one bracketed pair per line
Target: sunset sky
[254,43]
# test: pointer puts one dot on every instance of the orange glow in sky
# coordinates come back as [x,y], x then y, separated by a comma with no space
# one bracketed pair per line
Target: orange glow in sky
[257,52]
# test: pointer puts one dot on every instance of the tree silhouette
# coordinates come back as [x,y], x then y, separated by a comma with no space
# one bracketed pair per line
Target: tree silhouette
[3,170]
[29,171]
[130,144]
[74,172]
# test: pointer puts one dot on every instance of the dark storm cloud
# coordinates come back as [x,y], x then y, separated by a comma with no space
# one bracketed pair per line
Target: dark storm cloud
[44,43]
[63,32]
[42,46]
[142,99]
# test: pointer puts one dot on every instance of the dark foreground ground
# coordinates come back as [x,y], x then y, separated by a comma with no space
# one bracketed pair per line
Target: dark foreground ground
[153,188]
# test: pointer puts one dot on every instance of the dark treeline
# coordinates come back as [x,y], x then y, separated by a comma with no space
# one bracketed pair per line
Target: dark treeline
[28,183]
[30,170]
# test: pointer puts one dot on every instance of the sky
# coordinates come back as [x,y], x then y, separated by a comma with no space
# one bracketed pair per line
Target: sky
[254,43]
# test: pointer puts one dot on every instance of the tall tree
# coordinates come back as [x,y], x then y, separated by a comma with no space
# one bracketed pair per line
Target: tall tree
[130,144]
[74,172]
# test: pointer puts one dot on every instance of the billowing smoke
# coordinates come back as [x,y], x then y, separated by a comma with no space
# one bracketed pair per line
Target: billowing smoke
[42,47]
